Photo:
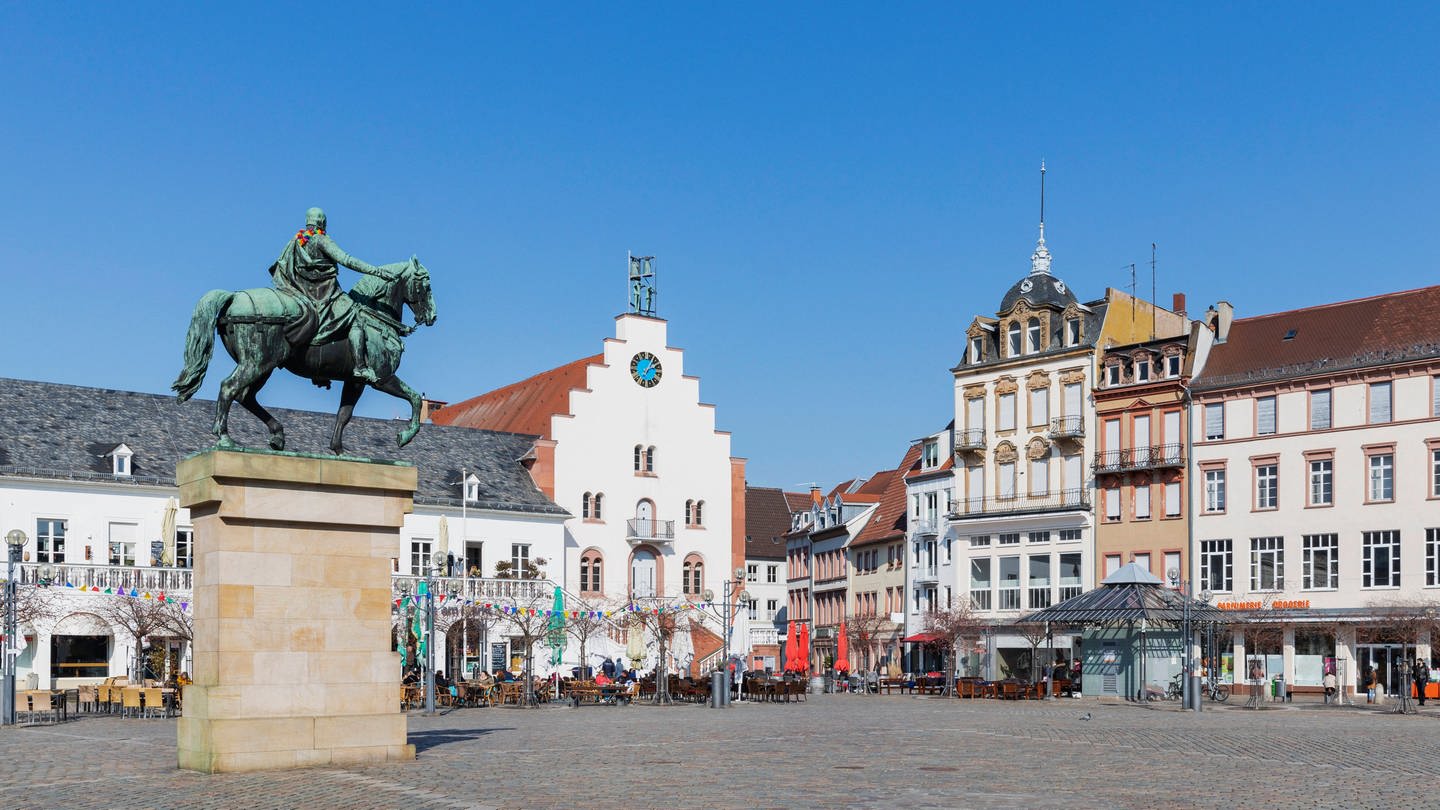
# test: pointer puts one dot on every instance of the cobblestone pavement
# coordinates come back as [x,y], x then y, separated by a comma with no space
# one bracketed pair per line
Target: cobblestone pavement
[838,750]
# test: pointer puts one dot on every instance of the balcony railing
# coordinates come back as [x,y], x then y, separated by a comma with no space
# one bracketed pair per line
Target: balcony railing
[926,573]
[1067,427]
[479,588]
[1058,501]
[927,526]
[1140,458]
[764,635]
[129,577]
[969,439]
[639,530]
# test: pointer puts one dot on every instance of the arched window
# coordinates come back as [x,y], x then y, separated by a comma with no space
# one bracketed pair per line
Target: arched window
[689,513]
[639,458]
[585,506]
[699,513]
[591,565]
[693,575]
[1032,336]
[650,458]
[1013,333]
[595,504]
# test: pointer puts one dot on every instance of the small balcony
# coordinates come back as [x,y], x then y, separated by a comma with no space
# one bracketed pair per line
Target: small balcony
[152,579]
[646,530]
[1065,500]
[1066,427]
[763,635]
[925,574]
[970,440]
[1140,458]
[927,527]
[477,588]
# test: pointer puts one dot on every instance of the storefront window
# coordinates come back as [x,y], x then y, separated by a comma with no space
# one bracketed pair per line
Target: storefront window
[79,656]
[1313,653]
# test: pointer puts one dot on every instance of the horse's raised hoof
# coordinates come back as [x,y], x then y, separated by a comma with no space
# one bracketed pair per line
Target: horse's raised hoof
[337,449]
[277,440]
[404,436]
[225,442]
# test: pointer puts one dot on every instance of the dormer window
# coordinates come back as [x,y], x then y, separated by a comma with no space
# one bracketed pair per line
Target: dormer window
[472,488]
[1112,374]
[1142,369]
[977,349]
[1172,366]
[1013,333]
[1032,336]
[120,460]
[931,452]
[1072,331]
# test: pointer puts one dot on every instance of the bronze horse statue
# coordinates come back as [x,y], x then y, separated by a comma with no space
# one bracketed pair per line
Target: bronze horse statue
[264,329]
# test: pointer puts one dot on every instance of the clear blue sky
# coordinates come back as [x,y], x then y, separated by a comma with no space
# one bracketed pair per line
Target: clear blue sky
[833,192]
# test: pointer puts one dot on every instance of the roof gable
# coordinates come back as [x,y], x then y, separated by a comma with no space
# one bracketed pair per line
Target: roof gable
[521,407]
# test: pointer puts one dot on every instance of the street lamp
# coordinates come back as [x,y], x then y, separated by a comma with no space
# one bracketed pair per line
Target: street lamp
[728,618]
[15,541]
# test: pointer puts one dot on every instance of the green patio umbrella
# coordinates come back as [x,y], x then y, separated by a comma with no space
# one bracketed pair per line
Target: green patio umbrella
[556,640]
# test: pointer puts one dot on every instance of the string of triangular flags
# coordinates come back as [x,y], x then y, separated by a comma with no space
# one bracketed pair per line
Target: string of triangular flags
[134,593]
[443,601]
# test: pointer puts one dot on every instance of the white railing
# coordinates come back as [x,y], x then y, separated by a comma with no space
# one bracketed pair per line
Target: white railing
[763,635]
[479,588]
[129,577]
[646,529]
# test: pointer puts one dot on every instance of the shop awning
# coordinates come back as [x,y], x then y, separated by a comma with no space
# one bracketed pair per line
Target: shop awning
[922,638]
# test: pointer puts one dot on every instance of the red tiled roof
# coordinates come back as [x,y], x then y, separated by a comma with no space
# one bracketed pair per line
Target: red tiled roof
[798,501]
[947,464]
[522,407]
[889,520]
[767,521]
[1365,332]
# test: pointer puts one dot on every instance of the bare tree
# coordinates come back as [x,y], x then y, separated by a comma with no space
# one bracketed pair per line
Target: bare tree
[1406,622]
[31,602]
[657,618]
[951,627]
[467,623]
[526,618]
[143,618]
[864,633]
[1035,634]
[584,626]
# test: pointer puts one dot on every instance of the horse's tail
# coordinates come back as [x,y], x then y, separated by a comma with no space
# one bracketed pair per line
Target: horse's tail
[200,342]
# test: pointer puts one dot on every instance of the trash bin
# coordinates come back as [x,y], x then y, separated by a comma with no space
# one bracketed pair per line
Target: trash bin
[717,690]
[1277,688]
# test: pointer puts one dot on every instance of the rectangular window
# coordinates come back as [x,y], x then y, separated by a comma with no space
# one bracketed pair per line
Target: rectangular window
[1172,499]
[932,453]
[1112,374]
[1039,476]
[1214,490]
[1321,562]
[773,574]
[1007,480]
[1172,365]
[1039,581]
[1007,412]
[1320,409]
[1265,416]
[1070,535]
[752,573]
[419,558]
[50,540]
[1010,539]
[1215,420]
[1174,574]
[519,559]
[752,610]
[1039,537]
[1039,406]
[1382,477]
[1072,331]
[1435,473]
[1142,370]
[1379,402]
[979,540]
[1032,337]
[1070,581]
[1382,559]
[977,349]
[123,539]
[770,608]
[1322,482]
[1216,566]
[1435,396]
[1112,503]
[1267,486]
[1112,564]
[980,584]
[1073,399]
[184,548]
[1140,433]
[1143,558]
[1432,558]
[1142,502]
[1009,583]
[1267,563]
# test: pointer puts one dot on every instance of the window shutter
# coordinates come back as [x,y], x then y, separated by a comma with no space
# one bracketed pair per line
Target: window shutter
[1380,402]
[1039,406]
[1072,399]
[1215,421]
[1435,396]
[1320,409]
[1265,415]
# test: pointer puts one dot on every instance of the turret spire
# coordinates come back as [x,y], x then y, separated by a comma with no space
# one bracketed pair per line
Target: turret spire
[1040,259]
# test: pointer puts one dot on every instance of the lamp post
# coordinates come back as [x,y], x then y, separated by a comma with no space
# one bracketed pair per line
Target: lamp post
[436,560]
[15,542]
[729,587]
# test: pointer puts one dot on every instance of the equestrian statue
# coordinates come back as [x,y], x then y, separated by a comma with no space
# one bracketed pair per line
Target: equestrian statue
[307,325]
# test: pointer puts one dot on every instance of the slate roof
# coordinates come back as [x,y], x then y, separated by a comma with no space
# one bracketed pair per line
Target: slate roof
[51,430]
[1381,330]
[521,407]
[889,522]
[767,521]
[1124,598]
[1045,291]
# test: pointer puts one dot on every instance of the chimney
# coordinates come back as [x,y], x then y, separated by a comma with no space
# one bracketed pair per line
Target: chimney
[429,406]
[1177,304]
[1222,323]
[1210,317]
[815,496]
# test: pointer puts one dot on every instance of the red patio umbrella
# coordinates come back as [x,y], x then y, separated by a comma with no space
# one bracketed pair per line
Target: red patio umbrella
[804,655]
[793,662]
[842,650]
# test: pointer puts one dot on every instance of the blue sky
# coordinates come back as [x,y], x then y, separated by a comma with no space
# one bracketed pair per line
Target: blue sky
[832,191]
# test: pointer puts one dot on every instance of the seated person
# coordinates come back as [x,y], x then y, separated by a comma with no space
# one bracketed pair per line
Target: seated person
[602,680]
[505,676]
[440,679]
[412,677]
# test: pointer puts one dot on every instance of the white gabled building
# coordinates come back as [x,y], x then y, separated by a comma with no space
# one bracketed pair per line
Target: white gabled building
[88,475]
[628,447]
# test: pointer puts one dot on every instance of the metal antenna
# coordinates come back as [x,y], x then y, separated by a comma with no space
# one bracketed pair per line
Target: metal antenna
[1152,290]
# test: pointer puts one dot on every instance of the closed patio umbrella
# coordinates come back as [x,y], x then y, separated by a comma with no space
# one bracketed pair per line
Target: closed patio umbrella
[805,647]
[167,532]
[792,650]
[842,650]
[556,639]
[442,546]
[635,646]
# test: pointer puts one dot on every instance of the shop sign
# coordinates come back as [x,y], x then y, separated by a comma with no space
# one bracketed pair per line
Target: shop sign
[1278,604]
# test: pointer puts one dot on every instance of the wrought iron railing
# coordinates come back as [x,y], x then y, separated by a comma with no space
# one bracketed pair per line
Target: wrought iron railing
[969,439]
[1067,427]
[1140,458]
[1057,501]
[648,529]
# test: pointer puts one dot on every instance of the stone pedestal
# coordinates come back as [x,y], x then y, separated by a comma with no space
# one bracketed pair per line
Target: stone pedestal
[292,659]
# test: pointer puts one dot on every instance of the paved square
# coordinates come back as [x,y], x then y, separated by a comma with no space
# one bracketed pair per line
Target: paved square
[837,750]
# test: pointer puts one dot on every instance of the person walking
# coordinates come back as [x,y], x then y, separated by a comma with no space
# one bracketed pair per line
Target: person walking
[1421,674]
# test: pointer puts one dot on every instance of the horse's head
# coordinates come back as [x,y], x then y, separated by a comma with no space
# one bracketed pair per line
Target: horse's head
[416,283]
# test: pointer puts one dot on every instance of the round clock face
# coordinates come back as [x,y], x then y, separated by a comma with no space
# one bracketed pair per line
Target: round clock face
[645,369]
[1027,285]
